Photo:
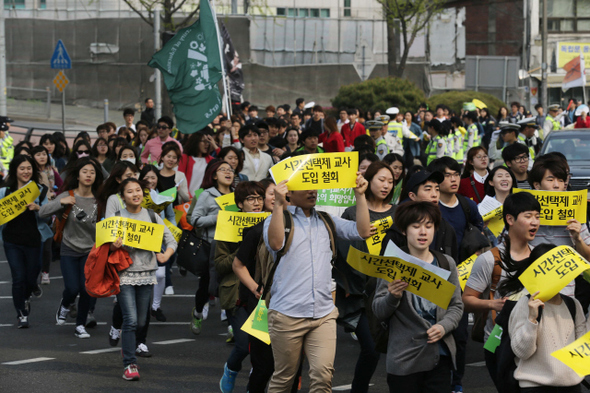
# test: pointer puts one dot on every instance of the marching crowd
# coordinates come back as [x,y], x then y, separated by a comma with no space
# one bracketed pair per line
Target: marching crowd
[444,163]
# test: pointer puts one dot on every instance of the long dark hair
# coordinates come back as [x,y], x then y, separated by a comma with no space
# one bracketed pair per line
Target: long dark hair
[134,150]
[514,269]
[191,147]
[71,182]
[150,168]
[468,169]
[370,174]
[60,150]
[225,151]
[94,152]
[12,182]
[111,185]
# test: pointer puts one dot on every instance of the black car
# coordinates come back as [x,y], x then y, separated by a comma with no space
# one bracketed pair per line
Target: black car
[575,145]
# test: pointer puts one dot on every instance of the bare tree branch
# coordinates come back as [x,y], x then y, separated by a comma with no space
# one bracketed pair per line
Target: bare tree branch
[148,21]
[174,9]
[188,18]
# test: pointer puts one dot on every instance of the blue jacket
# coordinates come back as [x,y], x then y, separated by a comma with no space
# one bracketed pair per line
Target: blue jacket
[42,224]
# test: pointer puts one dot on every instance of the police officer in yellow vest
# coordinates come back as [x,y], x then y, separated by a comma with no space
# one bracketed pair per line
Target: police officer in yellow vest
[527,136]
[438,145]
[6,141]
[375,128]
[472,138]
[459,138]
[398,130]
[551,121]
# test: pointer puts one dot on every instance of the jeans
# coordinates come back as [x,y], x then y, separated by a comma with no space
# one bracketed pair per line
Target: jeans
[237,317]
[368,358]
[135,303]
[169,269]
[72,269]
[47,255]
[461,335]
[437,380]
[491,365]
[140,334]
[25,265]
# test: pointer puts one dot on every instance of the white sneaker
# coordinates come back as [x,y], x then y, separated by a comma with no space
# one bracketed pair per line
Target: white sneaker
[81,332]
[44,278]
[61,315]
[223,316]
[169,290]
[205,311]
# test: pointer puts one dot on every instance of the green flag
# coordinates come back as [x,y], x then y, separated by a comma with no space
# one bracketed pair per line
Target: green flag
[191,66]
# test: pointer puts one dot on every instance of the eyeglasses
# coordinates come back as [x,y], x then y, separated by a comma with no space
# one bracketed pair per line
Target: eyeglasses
[480,157]
[225,170]
[252,199]
[450,175]
[523,158]
[163,127]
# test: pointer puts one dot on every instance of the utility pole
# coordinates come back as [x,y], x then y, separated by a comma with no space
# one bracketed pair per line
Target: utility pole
[3,110]
[158,81]
[545,101]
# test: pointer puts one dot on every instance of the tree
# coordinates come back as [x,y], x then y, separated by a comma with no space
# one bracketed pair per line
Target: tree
[168,9]
[413,16]
[455,100]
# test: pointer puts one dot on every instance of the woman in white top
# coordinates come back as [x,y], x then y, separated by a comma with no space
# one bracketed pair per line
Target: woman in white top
[194,160]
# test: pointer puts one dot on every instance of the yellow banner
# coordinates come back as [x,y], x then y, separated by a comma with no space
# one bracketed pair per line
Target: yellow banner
[553,271]
[14,204]
[135,233]
[227,202]
[559,207]
[318,171]
[176,231]
[567,51]
[421,282]
[494,221]
[465,268]
[374,242]
[247,327]
[158,201]
[230,225]
[576,355]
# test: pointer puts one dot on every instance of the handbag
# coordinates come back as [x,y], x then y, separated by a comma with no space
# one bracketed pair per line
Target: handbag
[193,252]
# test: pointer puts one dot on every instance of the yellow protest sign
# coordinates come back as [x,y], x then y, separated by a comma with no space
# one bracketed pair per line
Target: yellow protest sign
[553,271]
[494,221]
[135,233]
[227,202]
[374,242]
[178,214]
[567,51]
[559,207]
[247,327]
[464,269]
[230,225]
[158,201]
[421,282]
[576,355]
[15,203]
[318,171]
[176,231]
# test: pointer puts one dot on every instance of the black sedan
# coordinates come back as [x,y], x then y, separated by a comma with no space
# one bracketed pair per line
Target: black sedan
[575,145]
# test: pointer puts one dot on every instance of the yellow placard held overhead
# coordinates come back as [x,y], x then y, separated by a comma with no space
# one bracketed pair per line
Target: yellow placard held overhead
[374,242]
[421,282]
[576,355]
[557,208]
[227,202]
[176,231]
[135,233]
[553,271]
[15,203]
[230,225]
[318,171]
[464,269]
[495,221]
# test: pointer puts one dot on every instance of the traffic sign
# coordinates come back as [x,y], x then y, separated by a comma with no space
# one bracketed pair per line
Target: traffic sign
[60,59]
[60,81]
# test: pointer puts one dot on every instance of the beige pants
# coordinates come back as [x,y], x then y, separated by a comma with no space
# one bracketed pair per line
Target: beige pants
[317,337]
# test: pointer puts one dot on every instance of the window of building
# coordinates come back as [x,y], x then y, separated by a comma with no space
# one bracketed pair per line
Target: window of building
[567,16]
[325,13]
[347,8]
[281,11]
[14,4]
[304,12]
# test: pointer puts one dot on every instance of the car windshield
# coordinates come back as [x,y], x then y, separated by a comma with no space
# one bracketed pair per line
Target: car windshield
[575,148]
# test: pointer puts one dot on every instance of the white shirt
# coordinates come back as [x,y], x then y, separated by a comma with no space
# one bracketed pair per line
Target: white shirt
[480,179]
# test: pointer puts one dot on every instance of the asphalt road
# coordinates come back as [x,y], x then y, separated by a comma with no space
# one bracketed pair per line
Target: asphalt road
[48,358]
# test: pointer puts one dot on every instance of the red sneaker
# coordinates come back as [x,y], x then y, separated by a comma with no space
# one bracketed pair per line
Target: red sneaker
[131,373]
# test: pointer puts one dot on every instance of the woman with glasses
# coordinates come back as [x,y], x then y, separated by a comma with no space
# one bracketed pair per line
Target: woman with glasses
[153,147]
[218,181]
[475,174]
[197,154]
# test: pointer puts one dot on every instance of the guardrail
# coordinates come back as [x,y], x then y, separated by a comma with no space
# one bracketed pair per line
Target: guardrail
[33,133]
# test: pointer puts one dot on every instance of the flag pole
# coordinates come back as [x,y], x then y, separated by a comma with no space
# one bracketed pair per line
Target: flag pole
[583,69]
[222,60]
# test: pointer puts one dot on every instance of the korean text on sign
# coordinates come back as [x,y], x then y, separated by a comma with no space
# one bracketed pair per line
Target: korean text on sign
[421,282]
[374,242]
[134,233]
[553,271]
[14,204]
[176,231]
[576,355]
[557,208]
[318,171]
[464,269]
[158,201]
[494,221]
[230,225]
[339,197]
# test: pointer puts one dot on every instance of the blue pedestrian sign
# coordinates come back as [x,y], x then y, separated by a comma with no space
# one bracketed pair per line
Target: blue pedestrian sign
[60,59]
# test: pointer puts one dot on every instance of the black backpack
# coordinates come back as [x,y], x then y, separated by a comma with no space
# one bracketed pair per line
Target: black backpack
[505,364]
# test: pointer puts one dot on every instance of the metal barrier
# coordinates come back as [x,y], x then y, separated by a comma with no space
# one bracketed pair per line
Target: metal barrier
[33,132]
[30,101]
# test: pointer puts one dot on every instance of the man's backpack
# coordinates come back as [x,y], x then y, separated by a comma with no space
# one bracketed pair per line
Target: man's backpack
[480,317]
[266,266]
[505,364]
[473,239]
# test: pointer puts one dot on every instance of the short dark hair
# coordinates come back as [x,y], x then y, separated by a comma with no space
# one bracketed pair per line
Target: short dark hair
[409,213]
[129,180]
[167,120]
[128,111]
[538,106]
[168,147]
[369,157]
[317,108]
[515,103]
[299,101]
[519,203]
[253,108]
[514,150]
[102,127]
[363,140]
[246,188]
[471,116]
[146,100]
[225,151]
[372,170]
[440,164]
[245,130]
[296,114]
[351,111]
[543,164]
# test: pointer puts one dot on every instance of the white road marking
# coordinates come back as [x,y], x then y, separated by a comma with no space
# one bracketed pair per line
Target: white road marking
[96,351]
[5,297]
[6,324]
[35,360]
[477,364]
[347,387]
[3,261]
[193,295]
[56,277]
[74,323]
[178,341]
[5,282]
